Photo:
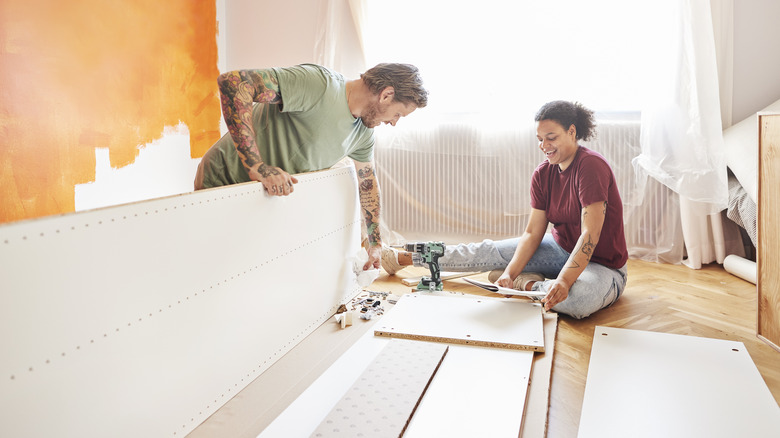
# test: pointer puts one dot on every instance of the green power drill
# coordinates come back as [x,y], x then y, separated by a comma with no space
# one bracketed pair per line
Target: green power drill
[430,252]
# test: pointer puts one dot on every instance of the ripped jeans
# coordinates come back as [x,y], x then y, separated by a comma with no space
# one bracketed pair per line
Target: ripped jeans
[596,288]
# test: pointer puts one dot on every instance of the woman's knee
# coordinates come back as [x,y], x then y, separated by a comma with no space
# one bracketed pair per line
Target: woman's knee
[587,298]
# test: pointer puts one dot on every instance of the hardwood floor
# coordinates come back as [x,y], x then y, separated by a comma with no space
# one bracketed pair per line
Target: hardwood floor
[659,297]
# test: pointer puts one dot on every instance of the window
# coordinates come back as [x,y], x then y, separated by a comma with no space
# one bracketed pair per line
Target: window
[508,57]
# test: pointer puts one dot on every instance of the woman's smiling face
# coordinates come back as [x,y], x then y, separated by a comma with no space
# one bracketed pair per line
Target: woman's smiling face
[559,145]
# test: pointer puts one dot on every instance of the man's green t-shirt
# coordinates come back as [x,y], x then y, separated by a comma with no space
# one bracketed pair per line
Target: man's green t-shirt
[312,129]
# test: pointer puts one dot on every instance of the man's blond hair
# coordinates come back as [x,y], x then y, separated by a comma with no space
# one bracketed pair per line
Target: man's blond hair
[404,78]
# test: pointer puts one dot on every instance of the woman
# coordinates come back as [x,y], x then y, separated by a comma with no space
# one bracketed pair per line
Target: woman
[581,265]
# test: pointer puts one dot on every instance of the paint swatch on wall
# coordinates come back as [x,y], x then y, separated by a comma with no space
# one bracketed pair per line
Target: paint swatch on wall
[88,73]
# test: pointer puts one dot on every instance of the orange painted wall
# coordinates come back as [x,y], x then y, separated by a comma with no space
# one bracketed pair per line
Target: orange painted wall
[81,74]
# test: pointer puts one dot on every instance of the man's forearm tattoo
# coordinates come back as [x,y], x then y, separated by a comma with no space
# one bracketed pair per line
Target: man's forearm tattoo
[371,215]
[266,170]
[369,201]
[367,172]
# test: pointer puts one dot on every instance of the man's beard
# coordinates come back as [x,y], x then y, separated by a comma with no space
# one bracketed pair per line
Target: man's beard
[371,115]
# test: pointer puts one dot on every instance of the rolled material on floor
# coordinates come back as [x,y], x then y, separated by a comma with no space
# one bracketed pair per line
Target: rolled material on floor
[741,267]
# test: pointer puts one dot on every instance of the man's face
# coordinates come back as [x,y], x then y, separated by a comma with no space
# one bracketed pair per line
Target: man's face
[385,110]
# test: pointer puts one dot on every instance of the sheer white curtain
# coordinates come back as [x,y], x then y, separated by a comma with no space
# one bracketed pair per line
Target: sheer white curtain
[339,36]
[723,29]
[681,134]
[492,63]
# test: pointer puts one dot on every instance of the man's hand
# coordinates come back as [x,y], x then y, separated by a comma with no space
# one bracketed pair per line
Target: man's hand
[559,291]
[276,181]
[374,257]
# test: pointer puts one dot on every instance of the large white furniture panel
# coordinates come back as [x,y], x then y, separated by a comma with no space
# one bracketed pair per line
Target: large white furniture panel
[381,401]
[143,319]
[477,392]
[488,322]
[646,384]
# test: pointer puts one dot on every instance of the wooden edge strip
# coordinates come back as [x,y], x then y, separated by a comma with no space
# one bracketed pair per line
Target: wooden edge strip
[459,341]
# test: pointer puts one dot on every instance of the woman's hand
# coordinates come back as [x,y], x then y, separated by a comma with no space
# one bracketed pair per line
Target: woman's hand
[559,291]
[505,281]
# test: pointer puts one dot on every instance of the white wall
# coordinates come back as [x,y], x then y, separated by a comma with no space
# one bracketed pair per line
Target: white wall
[264,33]
[163,168]
[756,56]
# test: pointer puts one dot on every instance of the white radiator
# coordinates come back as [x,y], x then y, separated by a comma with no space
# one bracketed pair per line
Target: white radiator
[470,181]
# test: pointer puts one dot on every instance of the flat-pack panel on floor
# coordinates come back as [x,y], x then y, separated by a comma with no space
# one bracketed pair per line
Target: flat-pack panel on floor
[381,401]
[537,406]
[477,392]
[487,322]
[646,384]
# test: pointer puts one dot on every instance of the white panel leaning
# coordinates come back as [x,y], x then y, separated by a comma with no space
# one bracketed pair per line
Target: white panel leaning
[143,319]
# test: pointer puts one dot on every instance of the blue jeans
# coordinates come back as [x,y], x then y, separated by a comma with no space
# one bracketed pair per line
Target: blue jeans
[596,288]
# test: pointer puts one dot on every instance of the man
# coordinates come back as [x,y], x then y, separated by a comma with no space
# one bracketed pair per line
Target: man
[284,121]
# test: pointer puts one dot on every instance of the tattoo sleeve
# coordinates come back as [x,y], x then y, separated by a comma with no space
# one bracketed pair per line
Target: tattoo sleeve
[369,203]
[239,90]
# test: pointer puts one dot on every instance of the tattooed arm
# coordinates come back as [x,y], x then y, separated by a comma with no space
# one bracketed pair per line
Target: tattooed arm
[369,204]
[239,90]
[591,222]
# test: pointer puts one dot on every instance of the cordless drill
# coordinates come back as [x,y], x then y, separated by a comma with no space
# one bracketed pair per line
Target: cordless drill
[430,253]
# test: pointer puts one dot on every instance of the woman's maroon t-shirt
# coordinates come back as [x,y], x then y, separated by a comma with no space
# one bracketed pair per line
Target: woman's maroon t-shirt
[562,195]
